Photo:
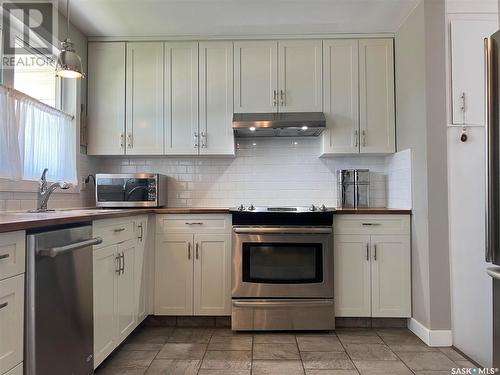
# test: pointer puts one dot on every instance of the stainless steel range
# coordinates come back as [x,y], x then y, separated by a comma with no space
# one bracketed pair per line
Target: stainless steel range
[282,276]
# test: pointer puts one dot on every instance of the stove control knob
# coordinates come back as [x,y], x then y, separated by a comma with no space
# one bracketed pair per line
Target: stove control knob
[241,208]
[323,208]
[312,208]
[251,207]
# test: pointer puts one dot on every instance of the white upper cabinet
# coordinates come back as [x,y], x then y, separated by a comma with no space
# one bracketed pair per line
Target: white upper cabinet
[181,98]
[256,76]
[144,105]
[376,90]
[216,98]
[467,67]
[106,98]
[300,76]
[340,97]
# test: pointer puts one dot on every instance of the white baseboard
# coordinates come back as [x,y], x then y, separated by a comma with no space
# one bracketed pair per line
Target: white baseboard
[430,337]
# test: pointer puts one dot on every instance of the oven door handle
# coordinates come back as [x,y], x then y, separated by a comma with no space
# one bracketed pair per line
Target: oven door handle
[284,230]
[283,303]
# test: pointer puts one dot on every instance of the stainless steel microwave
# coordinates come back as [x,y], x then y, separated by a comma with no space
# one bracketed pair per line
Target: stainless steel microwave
[131,190]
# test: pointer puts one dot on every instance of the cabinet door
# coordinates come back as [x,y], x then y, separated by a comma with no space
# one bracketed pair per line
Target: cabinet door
[216,98]
[391,276]
[125,296]
[105,267]
[106,98]
[376,96]
[352,276]
[11,322]
[300,75]
[181,98]
[174,275]
[141,269]
[212,274]
[144,99]
[256,76]
[467,67]
[340,97]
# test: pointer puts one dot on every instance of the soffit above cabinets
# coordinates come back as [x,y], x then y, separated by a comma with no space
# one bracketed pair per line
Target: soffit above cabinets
[150,18]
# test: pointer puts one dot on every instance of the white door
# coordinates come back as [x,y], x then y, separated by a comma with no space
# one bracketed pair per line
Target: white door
[300,75]
[212,274]
[11,322]
[391,276]
[174,275]
[216,98]
[181,98]
[141,268]
[106,98]
[467,67]
[340,97]
[376,96]
[256,76]
[352,276]
[144,128]
[105,267]
[125,296]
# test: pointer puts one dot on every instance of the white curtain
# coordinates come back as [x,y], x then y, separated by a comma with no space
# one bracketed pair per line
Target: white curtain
[37,137]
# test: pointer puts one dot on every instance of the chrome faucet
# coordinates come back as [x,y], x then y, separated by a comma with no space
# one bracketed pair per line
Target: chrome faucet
[44,192]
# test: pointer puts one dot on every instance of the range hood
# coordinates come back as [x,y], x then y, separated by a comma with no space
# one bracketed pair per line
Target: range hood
[291,124]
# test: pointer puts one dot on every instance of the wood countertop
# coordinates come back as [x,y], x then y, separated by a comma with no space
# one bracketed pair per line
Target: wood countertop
[14,221]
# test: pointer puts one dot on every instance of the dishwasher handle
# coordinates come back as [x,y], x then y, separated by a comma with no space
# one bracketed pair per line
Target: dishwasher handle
[55,251]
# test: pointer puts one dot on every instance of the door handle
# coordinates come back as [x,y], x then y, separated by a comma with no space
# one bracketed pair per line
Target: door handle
[189,250]
[123,262]
[4,256]
[55,251]
[118,230]
[370,224]
[119,264]
[203,140]
[282,97]
[367,251]
[356,138]
[142,231]
[122,140]
[2,305]
[364,137]
[195,137]
[129,140]
[197,255]
[275,98]
[374,251]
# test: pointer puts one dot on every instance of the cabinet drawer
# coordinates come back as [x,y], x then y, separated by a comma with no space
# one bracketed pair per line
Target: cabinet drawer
[18,370]
[113,231]
[12,254]
[372,224]
[11,322]
[193,224]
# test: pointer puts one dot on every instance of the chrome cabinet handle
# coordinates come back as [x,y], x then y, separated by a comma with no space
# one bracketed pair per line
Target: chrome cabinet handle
[462,105]
[118,263]
[197,255]
[142,232]
[2,305]
[195,137]
[371,224]
[364,137]
[55,251]
[118,230]
[275,98]
[203,140]
[367,251]
[193,223]
[129,140]
[282,97]
[356,138]
[375,252]
[189,250]
[122,140]
[4,256]
[123,262]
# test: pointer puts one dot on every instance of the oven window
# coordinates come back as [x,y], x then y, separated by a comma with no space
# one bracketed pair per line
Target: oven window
[282,263]
[125,189]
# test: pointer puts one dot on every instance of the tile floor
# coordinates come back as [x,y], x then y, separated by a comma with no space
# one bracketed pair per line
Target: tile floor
[219,351]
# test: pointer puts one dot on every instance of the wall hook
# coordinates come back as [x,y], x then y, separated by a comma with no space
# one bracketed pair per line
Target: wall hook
[464,136]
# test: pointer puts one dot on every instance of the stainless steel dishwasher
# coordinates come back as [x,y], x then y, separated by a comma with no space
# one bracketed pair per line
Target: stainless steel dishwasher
[59,301]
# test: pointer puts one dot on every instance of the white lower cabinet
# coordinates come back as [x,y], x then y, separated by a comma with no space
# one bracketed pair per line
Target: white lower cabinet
[120,283]
[18,370]
[372,269]
[193,267]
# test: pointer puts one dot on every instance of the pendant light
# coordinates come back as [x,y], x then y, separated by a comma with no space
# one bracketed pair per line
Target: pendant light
[69,64]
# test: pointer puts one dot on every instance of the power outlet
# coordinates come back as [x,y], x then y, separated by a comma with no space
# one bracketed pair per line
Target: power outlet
[83,184]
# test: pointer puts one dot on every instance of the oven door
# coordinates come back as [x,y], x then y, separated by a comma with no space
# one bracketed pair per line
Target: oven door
[282,262]
[126,190]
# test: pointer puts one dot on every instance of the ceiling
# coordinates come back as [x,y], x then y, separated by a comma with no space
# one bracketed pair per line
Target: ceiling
[141,18]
